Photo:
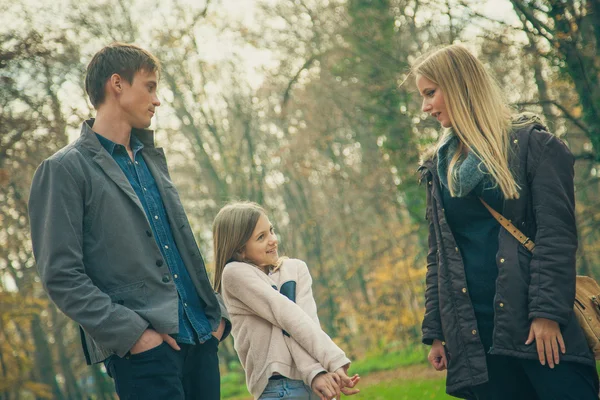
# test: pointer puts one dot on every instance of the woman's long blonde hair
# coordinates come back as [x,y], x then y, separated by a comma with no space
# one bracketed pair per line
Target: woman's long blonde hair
[478,111]
[232,228]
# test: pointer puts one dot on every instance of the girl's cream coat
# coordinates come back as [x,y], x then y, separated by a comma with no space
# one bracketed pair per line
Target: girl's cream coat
[259,314]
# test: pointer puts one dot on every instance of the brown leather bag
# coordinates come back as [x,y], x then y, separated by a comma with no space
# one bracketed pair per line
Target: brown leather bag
[587,290]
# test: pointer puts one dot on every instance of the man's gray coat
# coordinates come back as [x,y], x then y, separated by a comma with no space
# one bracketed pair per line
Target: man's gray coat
[95,251]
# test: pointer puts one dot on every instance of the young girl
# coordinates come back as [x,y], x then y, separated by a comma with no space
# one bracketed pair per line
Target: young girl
[498,317]
[273,314]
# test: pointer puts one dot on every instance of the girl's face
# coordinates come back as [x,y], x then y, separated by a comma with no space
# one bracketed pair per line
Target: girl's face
[433,100]
[261,248]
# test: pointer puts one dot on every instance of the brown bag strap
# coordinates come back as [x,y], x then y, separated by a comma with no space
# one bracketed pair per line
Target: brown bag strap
[517,234]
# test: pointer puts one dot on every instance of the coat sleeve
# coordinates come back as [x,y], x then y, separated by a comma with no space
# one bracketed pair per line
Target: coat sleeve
[552,267]
[432,324]
[242,282]
[308,366]
[56,209]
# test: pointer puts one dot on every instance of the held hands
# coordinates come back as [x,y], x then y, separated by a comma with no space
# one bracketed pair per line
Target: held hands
[330,385]
[325,385]
[548,340]
[347,383]
[151,339]
[437,356]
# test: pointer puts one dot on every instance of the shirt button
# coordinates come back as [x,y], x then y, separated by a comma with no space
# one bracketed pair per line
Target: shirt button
[515,141]
[175,276]
[443,343]
[136,163]
[145,189]
[167,247]
[148,233]
[501,305]
[456,249]
[166,278]
[185,304]
[474,332]
[464,290]
[502,260]
[156,217]
[159,263]
[429,183]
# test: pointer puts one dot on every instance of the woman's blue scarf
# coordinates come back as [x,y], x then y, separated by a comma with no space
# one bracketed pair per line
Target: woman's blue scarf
[471,170]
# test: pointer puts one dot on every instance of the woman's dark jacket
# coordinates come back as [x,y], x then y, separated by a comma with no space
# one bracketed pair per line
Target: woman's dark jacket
[541,284]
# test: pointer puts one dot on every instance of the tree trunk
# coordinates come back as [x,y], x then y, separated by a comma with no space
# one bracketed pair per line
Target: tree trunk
[44,364]
[72,387]
[104,388]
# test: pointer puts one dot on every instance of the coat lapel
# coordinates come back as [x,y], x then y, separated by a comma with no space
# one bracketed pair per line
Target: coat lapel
[106,162]
[113,171]
[517,157]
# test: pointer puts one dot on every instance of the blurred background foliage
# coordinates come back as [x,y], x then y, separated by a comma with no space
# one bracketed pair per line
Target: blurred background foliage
[304,106]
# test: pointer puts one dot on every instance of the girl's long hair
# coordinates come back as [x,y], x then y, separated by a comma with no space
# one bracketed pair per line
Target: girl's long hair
[478,111]
[232,228]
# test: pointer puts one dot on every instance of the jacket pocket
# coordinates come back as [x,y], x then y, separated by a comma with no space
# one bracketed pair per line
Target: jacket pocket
[133,295]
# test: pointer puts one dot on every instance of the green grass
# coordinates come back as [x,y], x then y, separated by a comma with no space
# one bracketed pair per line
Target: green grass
[418,389]
[406,390]
[233,385]
[388,361]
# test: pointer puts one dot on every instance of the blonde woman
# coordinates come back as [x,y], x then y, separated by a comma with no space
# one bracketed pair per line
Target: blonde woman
[278,339]
[498,317]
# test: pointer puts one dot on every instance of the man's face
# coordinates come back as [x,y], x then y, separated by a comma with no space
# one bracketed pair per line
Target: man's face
[139,100]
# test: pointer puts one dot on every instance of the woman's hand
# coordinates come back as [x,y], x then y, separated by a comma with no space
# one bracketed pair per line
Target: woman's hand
[347,383]
[325,385]
[437,356]
[548,340]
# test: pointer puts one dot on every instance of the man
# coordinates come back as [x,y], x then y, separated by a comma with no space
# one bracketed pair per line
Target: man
[114,247]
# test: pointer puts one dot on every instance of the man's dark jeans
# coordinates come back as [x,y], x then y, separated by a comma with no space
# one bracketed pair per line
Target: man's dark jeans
[164,373]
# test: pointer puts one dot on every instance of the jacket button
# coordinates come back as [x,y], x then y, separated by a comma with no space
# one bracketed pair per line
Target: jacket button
[159,263]
[443,343]
[148,233]
[502,261]
[456,249]
[464,290]
[166,278]
[515,141]
[501,305]
[474,332]
[429,183]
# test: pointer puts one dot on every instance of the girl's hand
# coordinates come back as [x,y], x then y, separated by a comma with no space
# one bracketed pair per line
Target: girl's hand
[347,384]
[437,356]
[548,340]
[325,386]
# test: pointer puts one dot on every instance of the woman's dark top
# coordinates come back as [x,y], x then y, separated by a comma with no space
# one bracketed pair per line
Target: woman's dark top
[476,233]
